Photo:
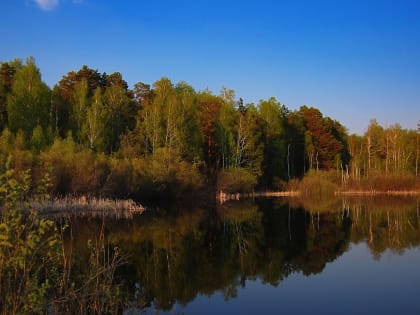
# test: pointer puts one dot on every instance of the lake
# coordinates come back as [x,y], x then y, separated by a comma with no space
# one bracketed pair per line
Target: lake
[266,256]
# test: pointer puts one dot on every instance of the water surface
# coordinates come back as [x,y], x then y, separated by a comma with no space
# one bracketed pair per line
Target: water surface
[268,256]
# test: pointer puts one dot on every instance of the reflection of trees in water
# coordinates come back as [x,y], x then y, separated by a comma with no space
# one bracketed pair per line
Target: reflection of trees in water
[201,251]
[382,222]
[393,226]
[242,235]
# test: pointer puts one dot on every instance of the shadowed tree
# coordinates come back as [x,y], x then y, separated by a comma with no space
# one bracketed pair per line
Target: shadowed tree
[274,116]
[209,109]
[7,74]
[120,113]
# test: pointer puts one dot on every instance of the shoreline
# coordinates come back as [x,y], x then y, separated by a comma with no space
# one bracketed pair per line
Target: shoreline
[222,196]
[377,193]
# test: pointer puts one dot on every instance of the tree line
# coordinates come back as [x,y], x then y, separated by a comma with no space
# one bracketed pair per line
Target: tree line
[92,134]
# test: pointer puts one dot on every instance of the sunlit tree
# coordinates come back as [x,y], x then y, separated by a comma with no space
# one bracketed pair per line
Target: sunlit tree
[28,102]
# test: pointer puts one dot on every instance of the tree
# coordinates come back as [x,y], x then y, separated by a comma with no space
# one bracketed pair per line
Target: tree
[274,118]
[325,140]
[209,110]
[71,97]
[189,134]
[374,150]
[417,148]
[226,129]
[357,154]
[28,102]
[296,140]
[120,113]
[249,152]
[93,127]
[7,74]
[38,139]
[142,94]
[79,105]
[92,77]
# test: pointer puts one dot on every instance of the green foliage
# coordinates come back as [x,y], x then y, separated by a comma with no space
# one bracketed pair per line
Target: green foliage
[27,103]
[29,249]
[79,104]
[178,134]
[319,184]
[60,159]
[7,74]
[154,176]
[37,275]
[118,112]
[74,171]
[38,139]
[273,116]
[93,127]
[14,186]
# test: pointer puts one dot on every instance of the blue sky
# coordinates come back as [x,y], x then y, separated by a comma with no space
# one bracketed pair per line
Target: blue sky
[353,59]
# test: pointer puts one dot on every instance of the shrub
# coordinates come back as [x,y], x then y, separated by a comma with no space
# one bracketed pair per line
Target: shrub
[236,180]
[156,176]
[60,160]
[320,183]
[119,178]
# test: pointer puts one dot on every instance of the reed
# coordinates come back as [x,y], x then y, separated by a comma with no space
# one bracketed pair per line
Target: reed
[83,205]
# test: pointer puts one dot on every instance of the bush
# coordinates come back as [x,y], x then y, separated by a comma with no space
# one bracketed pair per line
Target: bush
[319,183]
[89,173]
[119,178]
[236,180]
[60,160]
[156,176]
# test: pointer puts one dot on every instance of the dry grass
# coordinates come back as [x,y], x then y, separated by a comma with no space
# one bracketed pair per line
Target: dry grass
[86,206]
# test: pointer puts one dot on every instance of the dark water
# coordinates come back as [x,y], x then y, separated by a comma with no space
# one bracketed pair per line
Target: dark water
[268,256]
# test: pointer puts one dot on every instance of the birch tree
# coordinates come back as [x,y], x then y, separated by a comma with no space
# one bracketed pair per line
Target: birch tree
[93,127]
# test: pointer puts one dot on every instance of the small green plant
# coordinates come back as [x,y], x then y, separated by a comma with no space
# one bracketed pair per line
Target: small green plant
[37,275]
[29,249]
[14,186]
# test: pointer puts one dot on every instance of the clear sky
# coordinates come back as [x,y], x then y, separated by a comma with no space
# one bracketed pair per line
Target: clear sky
[352,59]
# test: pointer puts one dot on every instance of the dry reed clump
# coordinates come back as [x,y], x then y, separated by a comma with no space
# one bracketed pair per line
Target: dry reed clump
[86,204]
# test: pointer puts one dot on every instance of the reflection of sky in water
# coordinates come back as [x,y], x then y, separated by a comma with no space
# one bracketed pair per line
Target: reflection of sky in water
[355,283]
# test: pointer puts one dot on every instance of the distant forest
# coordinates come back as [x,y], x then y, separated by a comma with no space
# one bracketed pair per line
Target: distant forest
[93,135]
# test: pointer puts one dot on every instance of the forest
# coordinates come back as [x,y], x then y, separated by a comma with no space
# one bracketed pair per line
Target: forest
[92,135]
